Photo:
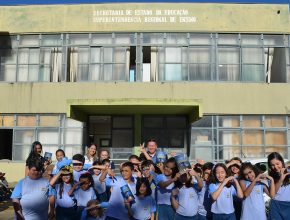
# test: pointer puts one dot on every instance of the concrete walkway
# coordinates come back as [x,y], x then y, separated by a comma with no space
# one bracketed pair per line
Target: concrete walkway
[6,210]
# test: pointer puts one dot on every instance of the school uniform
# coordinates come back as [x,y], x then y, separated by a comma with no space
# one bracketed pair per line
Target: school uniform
[117,208]
[33,196]
[253,207]
[164,209]
[280,204]
[223,208]
[204,202]
[82,197]
[100,188]
[142,208]
[65,204]
[188,203]
[77,174]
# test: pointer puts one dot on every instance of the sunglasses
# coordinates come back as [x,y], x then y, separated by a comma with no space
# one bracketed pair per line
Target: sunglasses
[77,164]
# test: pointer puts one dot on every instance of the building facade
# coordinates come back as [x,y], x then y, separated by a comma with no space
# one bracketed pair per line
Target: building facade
[207,79]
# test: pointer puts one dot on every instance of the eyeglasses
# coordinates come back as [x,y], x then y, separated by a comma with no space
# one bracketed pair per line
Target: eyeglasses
[77,164]
[145,169]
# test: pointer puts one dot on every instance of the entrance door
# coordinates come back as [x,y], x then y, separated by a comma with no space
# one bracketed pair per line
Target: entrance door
[170,132]
[115,133]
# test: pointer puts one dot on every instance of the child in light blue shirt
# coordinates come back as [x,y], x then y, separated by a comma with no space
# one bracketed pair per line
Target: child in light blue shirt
[83,192]
[144,206]
[222,191]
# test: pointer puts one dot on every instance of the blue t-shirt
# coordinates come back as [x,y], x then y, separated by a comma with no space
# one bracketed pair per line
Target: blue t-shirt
[117,208]
[188,201]
[163,194]
[33,195]
[253,206]
[77,174]
[83,196]
[142,208]
[99,187]
[65,201]
[224,203]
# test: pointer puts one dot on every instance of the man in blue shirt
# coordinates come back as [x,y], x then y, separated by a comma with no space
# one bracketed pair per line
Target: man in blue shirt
[150,154]
[30,196]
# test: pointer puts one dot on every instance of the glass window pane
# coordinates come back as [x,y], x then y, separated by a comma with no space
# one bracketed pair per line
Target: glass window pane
[26,120]
[176,138]
[8,56]
[275,138]
[281,149]
[175,72]
[70,123]
[200,72]
[120,55]
[96,55]
[32,40]
[230,137]
[229,55]
[176,38]
[229,72]
[48,136]
[96,72]
[108,55]
[72,150]
[173,55]
[21,152]
[73,136]
[33,73]
[252,121]
[45,55]
[48,120]
[253,151]
[44,73]
[8,73]
[275,121]
[253,137]
[122,122]
[229,121]
[202,137]
[23,55]
[51,149]
[273,40]
[108,72]
[83,72]
[83,55]
[153,122]
[24,136]
[51,39]
[200,39]
[230,152]
[33,56]
[228,39]
[79,39]
[252,39]
[101,39]
[252,55]
[124,38]
[8,121]
[176,122]
[153,38]
[253,73]
[122,138]
[199,55]
[119,71]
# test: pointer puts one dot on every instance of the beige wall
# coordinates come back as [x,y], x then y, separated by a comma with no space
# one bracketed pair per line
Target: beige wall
[215,98]
[146,17]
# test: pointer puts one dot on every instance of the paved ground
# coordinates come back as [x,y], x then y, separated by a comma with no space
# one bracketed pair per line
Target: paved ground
[6,210]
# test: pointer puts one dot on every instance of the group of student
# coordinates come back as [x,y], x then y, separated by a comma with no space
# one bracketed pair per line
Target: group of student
[86,187]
